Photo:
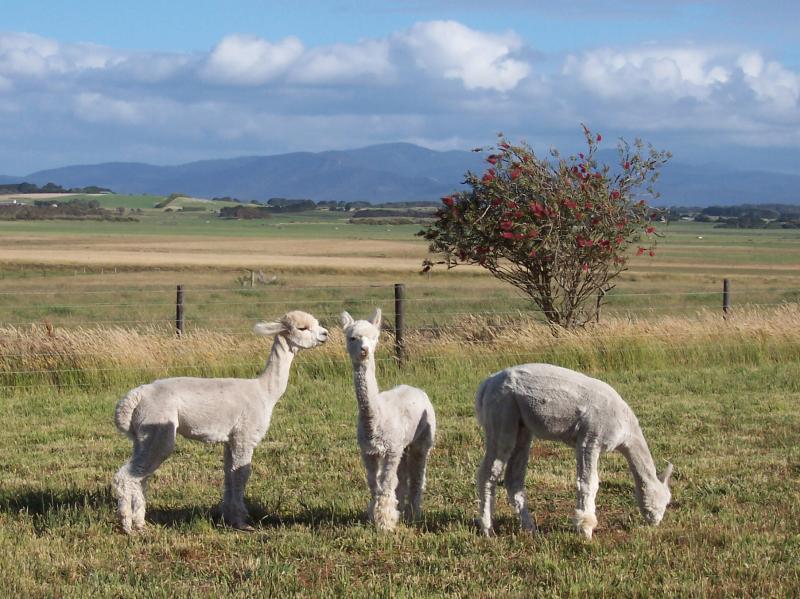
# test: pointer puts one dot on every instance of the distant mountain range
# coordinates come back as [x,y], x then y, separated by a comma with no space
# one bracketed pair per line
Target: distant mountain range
[387,173]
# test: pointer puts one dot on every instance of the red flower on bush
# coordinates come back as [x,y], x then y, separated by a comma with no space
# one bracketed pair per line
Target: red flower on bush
[507,234]
[506,225]
[626,166]
[489,176]
[650,230]
[492,159]
[640,251]
[570,204]
[515,173]
[448,201]
[614,195]
[599,137]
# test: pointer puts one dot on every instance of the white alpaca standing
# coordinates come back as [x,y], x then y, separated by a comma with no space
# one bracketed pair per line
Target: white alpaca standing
[235,412]
[540,400]
[396,430]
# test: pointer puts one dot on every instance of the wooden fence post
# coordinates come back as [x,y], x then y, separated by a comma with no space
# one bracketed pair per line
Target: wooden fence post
[399,321]
[726,298]
[179,322]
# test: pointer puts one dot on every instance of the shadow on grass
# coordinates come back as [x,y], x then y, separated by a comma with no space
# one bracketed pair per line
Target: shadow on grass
[41,502]
[47,506]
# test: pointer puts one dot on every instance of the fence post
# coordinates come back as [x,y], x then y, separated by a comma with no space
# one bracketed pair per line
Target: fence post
[726,298]
[179,312]
[399,321]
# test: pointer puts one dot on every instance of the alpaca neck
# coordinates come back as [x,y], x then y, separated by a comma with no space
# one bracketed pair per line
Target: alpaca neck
[275,377]
[366,392]
[641,464]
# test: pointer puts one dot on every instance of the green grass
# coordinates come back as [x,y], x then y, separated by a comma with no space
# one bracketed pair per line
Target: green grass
[723,404]
[730,429]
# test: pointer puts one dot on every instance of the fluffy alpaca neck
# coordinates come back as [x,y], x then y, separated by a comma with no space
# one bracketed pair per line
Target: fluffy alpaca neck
[275,377]
[641,464]
[366,393]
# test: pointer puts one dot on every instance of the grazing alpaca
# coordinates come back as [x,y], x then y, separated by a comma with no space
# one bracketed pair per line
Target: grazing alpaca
[235,412]
[396,429]
[539,400]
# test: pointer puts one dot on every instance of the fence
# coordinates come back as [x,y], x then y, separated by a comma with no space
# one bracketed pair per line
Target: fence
[420,313]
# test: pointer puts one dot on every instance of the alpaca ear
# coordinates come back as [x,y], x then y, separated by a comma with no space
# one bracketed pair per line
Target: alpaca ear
[375,319]
[347,320]
[666,474]
[269,328]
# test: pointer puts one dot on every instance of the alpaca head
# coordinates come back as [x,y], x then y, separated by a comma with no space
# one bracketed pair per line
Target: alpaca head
[300,329]
[361,336]
[655,498]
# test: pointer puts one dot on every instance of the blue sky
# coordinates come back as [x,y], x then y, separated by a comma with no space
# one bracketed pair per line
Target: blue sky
[174,81]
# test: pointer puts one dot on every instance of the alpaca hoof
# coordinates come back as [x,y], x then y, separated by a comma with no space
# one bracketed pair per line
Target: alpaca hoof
[585,523]
[243,527]
[486,531]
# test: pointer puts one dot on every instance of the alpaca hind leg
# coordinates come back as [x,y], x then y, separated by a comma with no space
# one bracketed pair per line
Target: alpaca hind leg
[401,493]
[499,446]
[588,482]
[235,513]
[417,465]
[515,479]
[123,487]
[385,512]
[153,444]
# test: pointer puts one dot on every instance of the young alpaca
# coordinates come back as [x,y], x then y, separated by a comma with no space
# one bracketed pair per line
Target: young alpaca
[396,430]
[539,400]
[235,412]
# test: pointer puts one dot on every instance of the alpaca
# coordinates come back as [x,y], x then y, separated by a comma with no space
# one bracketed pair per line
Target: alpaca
[235,412]
[396,430]
[540,400]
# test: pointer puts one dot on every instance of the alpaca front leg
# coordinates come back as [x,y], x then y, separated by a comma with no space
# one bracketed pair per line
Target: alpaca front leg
[371,464]
[588,482]
[385,512]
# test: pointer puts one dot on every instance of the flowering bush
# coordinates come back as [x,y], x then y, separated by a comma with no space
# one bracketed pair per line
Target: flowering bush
[558,229]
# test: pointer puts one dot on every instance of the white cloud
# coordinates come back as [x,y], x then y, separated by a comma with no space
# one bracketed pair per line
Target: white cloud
[250,60]
[29,55]
[99,108]
[665,72]
[454,51]
[439,82]
[343,62]
[771,82]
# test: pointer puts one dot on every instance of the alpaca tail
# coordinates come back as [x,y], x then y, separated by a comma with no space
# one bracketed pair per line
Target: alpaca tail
[479,402]
[125,408]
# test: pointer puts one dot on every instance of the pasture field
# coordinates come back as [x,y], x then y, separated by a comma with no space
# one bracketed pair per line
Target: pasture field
[86,312]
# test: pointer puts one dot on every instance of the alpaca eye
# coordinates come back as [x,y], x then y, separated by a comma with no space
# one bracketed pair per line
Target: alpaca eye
[302,328]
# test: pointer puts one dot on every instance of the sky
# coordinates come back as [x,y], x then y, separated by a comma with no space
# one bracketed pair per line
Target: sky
[169,82]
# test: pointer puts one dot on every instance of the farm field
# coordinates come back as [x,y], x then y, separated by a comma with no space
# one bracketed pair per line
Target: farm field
[86,312]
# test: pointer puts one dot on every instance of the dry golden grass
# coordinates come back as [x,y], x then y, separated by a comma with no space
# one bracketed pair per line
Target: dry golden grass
[43,354]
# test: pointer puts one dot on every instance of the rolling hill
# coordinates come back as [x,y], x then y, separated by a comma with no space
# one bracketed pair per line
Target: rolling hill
[387,173]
